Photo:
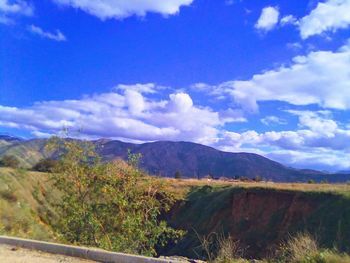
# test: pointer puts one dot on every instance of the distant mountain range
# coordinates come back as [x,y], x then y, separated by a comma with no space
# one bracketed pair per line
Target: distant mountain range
[165,158]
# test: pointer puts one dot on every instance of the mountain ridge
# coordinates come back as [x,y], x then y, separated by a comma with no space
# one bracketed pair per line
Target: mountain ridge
[192,160]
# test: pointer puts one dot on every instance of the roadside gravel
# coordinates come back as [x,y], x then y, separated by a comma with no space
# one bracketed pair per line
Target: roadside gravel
[10,254]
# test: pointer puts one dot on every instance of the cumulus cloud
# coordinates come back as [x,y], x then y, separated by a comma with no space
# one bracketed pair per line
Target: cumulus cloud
[319,141]
[330,15]
[119,9]
[127,115]
[57,36]
[268,19]
[326,72]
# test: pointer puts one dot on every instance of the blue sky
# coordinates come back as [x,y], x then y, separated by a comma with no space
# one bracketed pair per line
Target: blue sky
[270,77]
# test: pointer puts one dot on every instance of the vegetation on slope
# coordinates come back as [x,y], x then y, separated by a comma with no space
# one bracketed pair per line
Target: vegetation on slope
[110,205]
[191,160]
[257,216]
[24,205]
[260,217]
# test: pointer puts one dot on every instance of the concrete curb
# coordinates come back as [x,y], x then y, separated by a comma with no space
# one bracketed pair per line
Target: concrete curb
[81,252]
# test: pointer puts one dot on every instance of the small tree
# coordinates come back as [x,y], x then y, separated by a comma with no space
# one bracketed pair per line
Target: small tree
[134,159]
[45,165]
[9,161]
[178,175]
[108,205]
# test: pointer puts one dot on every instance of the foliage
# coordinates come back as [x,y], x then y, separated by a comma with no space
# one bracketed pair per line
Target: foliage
[9,161]
[19,211]
[108,205]
[177,175]
[303,248]
[45,165]
[134,159]
[221,249]
[208,207]
[298,248]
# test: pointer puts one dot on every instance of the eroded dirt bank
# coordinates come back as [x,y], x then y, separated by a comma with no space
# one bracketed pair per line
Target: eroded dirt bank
[259,218]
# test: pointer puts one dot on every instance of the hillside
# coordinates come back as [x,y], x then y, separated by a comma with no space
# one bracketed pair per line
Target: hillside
[25,205]
[260,215]
[192,160]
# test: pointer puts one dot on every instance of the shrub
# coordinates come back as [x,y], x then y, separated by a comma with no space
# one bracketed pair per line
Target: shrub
[297,248]
[219,248]
[108,205]
[9,161]
[177,175]
[45,165]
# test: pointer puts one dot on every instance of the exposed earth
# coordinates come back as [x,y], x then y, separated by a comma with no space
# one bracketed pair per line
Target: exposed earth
[11,254]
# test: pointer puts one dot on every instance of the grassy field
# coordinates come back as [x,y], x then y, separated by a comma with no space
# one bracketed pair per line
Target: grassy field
[181,187]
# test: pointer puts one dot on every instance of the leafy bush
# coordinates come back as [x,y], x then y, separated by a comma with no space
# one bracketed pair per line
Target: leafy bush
[9,161]
[108,205]
[45,165]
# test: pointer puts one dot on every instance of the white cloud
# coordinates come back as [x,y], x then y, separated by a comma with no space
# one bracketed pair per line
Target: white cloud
[135,102]
[180,102]
[119,9]
[289,20]
[316,121]
[319,142]
[139,87]
[330,15]
[294,46]
[10,9]
[127,115]
[272,120]
[320,77]
[57,36]
[16,8]
[268,19]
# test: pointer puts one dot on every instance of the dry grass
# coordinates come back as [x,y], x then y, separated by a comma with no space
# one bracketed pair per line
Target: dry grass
[299,247]
[21,212]
[181,187]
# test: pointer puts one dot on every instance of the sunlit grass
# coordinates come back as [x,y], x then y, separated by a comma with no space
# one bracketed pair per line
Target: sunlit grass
[182,186]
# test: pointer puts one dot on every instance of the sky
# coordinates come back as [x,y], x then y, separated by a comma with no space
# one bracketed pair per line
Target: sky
[263,76]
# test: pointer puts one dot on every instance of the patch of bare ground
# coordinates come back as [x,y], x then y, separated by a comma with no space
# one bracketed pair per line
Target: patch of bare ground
[11,254]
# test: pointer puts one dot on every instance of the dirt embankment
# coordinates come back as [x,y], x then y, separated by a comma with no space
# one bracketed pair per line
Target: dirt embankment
[259,218]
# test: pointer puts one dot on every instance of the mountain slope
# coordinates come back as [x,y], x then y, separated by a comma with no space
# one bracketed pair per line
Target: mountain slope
[195,160]
[164,158]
